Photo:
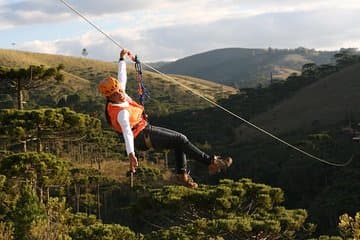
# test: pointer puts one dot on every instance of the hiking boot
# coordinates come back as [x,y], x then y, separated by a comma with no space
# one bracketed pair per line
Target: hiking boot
[186,180]
[219,164]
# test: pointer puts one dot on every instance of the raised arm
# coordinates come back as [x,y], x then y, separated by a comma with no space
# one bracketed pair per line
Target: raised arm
[122,75]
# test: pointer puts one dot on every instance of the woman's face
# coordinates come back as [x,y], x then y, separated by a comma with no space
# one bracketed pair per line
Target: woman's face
[117,97]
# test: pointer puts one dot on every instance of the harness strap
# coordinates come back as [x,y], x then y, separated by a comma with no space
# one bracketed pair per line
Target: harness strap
[136,125]
[139,127]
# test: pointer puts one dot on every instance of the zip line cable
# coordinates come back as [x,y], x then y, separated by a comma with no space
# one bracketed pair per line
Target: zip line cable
[212,102]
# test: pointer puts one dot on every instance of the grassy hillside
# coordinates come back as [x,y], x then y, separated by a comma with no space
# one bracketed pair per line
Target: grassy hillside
[326,102]
[246,67]
[211,90]
[82,76]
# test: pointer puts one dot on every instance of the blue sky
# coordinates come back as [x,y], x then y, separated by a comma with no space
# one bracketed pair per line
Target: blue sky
[170,29]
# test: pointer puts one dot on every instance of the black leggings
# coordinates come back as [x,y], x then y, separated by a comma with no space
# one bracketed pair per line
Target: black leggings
[163,138]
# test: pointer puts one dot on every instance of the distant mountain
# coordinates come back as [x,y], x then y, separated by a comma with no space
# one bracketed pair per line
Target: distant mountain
[156,65]
[241,67]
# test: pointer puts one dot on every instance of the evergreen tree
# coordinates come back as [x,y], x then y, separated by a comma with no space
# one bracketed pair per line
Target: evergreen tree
[231,210]
[88,227]
[28,213]
[61,123]
[350,226]
[42,170]
[55,225]
[33,77]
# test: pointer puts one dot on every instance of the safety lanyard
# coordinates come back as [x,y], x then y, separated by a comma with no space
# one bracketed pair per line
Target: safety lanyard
[143,93]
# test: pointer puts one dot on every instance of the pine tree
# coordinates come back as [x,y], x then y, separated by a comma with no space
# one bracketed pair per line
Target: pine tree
[19,79]
[28,213]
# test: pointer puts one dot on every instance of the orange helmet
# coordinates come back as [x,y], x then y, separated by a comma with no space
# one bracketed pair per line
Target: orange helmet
[108,86]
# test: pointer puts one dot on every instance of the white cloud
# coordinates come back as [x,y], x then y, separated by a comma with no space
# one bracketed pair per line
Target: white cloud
[138,16]
[24,13]
[319,29]
[167,29]
[164,11]
[40,46]
[111,6]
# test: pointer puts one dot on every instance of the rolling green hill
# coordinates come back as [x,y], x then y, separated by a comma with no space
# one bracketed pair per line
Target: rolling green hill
[82,75]
[326,102]
[241,67]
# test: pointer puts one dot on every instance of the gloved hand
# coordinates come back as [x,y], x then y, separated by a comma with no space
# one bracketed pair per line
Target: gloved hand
[123,53]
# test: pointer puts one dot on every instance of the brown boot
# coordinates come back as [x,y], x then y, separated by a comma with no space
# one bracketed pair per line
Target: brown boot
[186,180]
[219,164]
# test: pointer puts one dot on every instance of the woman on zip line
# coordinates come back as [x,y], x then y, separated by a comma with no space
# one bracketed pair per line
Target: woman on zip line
[127,117]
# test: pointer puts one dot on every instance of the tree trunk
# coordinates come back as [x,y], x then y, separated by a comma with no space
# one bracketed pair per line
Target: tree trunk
[41,195]
[87,205]
[98,200]
[99,162]
[77,196]
[39,146]
[104,204]
[20,95]
[166,159]
[24,145]
[81,152]
[57,147]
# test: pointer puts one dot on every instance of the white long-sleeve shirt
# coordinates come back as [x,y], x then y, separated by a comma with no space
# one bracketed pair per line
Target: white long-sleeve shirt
[123,115]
